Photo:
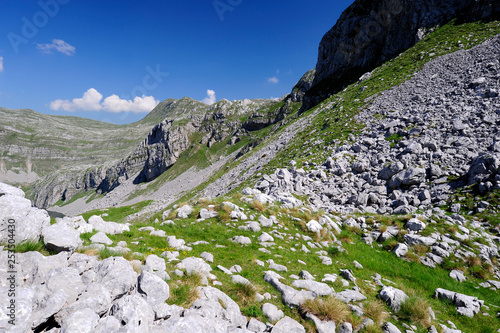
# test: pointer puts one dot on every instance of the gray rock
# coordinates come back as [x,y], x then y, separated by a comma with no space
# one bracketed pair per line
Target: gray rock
[350,296]
[265,237]
[389,327]
[347,274]
[415,225]
[66,280]
[466,305]
[95,297]
[133,312]
[60,237]
[102,238]
[110,228]
[393,297]
[194,265]
[155,263]
[184,212]
[16,210]
[408,177]
[289,295]
[400,250]
[418,240]
[272,313]
[387,172]
[207,214]
[288,325]
[243,240]
[345,328]
[153,288]
[256,326]
[116,275]
[319,288]
[322,326]
[80,321]
[458,275]
[108,324]
[313,226]
[207,256]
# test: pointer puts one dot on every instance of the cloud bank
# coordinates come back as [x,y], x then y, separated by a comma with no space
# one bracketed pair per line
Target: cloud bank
[91,101]
[59,45]
[210,99]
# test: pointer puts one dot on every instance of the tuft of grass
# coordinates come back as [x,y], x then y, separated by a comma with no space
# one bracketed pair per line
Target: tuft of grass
[416,311]
[253,311]
[371,329]
[329,308]
[375,310]
[333,251]
[185,292]
[257,205]
[244,292]
[32,245]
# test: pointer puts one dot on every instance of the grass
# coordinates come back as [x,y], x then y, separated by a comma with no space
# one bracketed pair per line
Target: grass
[376,311]
[244,292]
[31,245]
[327,309]
[183,292]
[416,310]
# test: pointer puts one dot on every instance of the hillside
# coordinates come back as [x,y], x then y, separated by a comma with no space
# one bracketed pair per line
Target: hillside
[376,210]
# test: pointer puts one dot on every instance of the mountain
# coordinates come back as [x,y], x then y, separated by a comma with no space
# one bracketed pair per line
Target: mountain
[375,210]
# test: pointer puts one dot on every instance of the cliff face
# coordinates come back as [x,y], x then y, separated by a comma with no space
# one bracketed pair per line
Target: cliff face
[369,33]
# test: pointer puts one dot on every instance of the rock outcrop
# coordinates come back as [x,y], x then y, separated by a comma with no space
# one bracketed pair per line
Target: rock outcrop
[369,33]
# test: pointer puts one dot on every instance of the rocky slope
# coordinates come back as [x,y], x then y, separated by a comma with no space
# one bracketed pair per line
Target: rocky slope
[370,33]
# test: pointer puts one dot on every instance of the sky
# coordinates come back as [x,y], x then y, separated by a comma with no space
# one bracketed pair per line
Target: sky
[115,60]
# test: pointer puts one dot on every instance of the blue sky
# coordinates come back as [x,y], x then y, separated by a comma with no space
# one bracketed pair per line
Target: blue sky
[113,60]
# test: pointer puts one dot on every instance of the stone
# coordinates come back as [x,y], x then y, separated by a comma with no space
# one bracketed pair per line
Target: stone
[155,263]
[207,256]
[466,305]
[154,289]
[400,250]
[415,225]
[243,240]
[207,214]
[184,211]
[116,274]
[457,275]
[345,327]
[393,297]
[272,313]
[16,210]
[265,237]
[133,312]
[256,326]
[322,326]
[80,321]
[389,327]
[101,238]
[347,274]
[319,288]
[66,280]
[110,228]
[408,177]
[194,265]
[350,296]
[288,325]
[289,295]
[61,237]
[313,226]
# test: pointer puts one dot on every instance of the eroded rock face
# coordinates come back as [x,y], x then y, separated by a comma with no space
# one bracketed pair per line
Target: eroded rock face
[369,33]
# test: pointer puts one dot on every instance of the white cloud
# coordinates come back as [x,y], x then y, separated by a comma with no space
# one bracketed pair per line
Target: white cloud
[91,101]
[210,99]
[1,64]
[59,45]
[273,79]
